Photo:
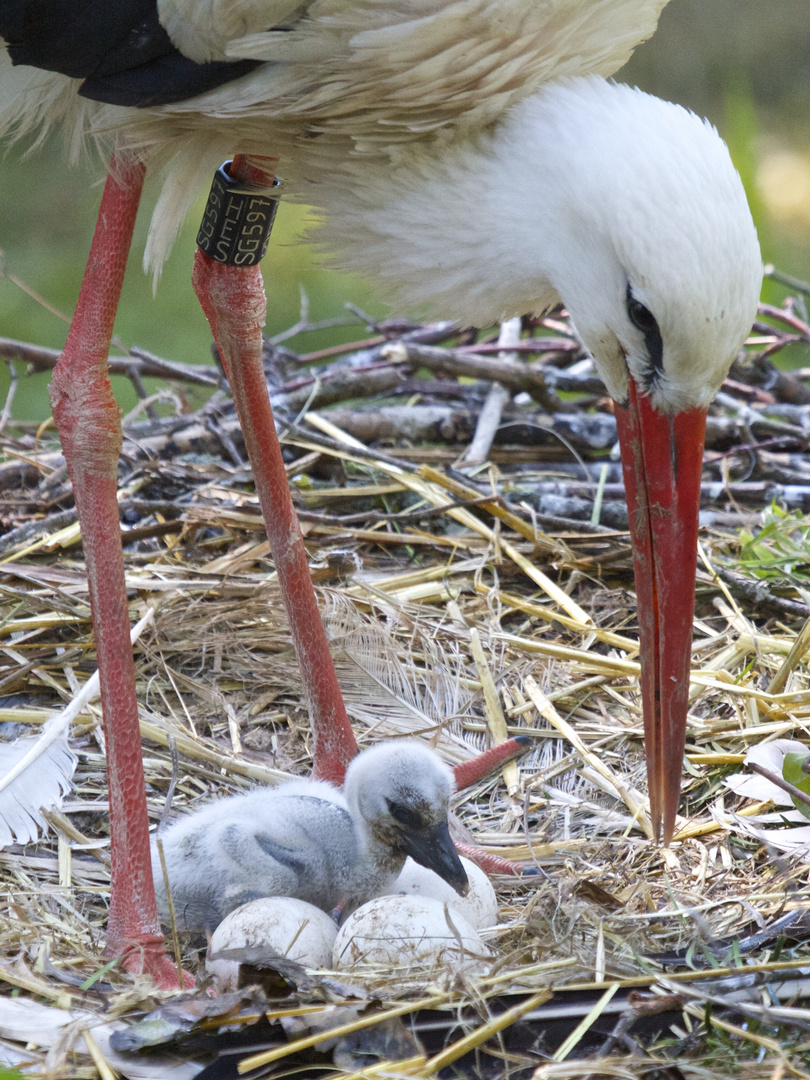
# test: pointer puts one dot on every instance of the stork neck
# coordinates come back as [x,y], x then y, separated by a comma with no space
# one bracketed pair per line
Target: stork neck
[471,230]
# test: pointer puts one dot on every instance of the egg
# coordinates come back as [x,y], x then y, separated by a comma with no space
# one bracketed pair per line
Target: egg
[479,907]
[290,928]
[403,931]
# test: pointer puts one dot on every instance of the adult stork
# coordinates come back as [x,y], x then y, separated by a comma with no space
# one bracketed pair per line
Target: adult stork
[471,158]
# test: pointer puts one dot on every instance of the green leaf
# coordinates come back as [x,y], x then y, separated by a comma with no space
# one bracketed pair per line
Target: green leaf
[793,770]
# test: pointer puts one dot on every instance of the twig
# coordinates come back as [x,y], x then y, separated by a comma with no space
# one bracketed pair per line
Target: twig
[787,279]
[787,317]
[339,385]
[490,416]
[373,517]
[758,593]
[515,376]
[145,363]
[780,782]
[13,382]
[40,526]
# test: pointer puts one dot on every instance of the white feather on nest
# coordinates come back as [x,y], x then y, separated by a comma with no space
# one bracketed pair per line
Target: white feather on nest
[36,776]
[397,684]
[36,771]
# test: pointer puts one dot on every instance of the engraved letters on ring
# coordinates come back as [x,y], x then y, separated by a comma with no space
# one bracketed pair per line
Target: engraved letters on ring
[236,224]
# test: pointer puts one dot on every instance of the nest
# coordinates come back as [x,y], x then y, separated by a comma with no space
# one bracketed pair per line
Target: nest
[462,607]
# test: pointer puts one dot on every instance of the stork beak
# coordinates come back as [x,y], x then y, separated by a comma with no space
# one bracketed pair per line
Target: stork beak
[662,460]
[438,853]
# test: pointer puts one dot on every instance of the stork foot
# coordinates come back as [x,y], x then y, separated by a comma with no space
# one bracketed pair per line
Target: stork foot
[149,958]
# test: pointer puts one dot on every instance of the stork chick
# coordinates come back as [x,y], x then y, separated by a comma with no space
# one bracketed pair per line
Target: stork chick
[308,841]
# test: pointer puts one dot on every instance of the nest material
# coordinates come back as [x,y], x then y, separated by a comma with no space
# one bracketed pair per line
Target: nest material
[453,615]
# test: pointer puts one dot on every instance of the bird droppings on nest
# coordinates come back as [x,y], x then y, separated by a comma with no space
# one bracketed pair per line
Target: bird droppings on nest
[216,668]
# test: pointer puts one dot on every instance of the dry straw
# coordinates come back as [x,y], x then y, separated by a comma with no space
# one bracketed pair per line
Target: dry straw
[464,629]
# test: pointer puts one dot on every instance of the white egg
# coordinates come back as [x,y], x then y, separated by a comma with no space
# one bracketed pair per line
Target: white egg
[479,907]
[291,928]
[402,931]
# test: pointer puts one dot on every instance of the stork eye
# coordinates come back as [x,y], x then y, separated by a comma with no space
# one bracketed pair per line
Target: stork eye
[641,317]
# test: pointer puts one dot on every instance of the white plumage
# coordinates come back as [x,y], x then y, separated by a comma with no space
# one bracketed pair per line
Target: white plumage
[35,775]
[583,189]
[308,841]
[469,160]
[36,771]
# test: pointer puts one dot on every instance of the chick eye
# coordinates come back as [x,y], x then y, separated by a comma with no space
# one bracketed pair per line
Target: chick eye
[404,815]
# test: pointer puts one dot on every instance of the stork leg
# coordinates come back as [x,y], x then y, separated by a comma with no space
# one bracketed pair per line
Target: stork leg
[467,773]
[491,864]
[87,417]
[232,297]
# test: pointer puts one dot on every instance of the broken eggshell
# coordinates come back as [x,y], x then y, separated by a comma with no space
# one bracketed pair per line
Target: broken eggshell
[403,931]
[285,927]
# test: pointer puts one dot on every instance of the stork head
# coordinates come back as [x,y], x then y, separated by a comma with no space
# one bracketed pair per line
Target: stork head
[653,249]
[656,257]
[401,792]
[626,207]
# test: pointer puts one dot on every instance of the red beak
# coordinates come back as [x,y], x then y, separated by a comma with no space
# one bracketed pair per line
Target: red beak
[662,461]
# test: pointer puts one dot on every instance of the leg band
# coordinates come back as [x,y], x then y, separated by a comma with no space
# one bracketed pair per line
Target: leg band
[237,221]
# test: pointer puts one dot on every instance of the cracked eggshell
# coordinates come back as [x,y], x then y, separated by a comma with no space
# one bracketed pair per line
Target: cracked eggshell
[479,907]
[399,931]
[291,928]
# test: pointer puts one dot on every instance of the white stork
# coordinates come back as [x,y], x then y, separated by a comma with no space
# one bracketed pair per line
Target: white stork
[471,158]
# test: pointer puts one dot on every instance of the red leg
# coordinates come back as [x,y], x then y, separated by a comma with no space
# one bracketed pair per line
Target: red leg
[470,772]
[90,429]
[233,300]
[490,864]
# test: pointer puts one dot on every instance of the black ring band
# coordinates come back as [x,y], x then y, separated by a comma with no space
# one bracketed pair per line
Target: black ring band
[237,221]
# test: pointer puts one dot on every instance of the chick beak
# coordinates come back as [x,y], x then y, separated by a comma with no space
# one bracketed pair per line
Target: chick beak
[437,852]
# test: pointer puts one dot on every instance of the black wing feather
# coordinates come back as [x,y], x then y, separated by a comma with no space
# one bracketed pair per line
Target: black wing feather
[118,47]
